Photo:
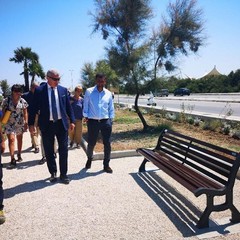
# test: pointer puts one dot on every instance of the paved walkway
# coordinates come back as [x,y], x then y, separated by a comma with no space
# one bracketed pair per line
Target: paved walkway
[97,205]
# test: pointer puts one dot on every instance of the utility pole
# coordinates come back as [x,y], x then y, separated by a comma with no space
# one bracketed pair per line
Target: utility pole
[71,77]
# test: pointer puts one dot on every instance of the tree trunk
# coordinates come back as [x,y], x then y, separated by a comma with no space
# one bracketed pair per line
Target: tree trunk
[145,125]
[33,79]
[26,77]
[155,68]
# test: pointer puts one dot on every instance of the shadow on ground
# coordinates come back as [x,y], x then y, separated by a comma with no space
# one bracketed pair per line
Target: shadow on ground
[176,206]
[40,184]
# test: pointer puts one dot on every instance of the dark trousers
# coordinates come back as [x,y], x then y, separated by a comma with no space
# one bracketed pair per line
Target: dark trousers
[48,134]
[94,127]
[1,184]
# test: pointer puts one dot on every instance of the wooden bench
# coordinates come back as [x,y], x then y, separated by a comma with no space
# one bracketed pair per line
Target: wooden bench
[201,167]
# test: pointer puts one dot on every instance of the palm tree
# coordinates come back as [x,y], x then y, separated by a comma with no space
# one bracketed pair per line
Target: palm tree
[6,90]
[31,65]
[35,69]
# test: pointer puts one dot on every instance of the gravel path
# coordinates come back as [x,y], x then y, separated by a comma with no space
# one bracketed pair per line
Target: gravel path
[97,205]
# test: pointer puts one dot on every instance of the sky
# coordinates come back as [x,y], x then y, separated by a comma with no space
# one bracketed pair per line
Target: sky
[60,32]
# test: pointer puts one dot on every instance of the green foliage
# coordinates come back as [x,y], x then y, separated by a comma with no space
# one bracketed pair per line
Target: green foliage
[212,125]
[127,120]
[124,23]
[121,20]
[210,84]
[180,32]
[31,65]
[6,90]
[163,125]
[88,75]
[89,71]
[226,128]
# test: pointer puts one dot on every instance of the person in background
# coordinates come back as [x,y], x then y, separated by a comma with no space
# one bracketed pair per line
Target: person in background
[77,105]
[17,123]
[43,160]
[2,149]
[52,103]
[29,98]
[98,111]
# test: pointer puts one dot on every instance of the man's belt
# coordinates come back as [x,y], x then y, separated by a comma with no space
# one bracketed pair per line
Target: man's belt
[98,120]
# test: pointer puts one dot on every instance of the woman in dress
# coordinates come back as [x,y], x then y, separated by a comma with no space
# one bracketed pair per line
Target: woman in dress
[17,122]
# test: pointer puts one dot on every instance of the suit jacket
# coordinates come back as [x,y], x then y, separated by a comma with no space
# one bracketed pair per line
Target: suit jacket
[41,107]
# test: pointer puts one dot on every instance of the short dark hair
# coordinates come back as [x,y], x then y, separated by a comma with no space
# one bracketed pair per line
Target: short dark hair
[100,75]
[17,87]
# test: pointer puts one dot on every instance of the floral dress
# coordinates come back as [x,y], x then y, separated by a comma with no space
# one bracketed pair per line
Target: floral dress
[15,123]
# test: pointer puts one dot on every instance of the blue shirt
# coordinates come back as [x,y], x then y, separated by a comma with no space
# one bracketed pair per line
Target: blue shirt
[77,106]
[98,105]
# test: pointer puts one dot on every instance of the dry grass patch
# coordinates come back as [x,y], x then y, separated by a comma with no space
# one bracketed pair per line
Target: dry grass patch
[128,135]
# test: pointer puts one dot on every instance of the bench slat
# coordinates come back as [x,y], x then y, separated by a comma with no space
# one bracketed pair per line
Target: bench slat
[217,148]
[206,149]
[187,154]
[185,175]
[201,181]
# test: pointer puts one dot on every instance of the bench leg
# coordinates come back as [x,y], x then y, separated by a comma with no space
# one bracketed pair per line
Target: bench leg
[204,219]
[142,167]
[235,213]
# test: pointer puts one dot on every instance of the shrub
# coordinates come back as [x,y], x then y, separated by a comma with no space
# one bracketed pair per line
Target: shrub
[212,125]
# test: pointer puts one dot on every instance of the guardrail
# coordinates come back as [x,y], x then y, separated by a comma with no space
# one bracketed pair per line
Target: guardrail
[201,115]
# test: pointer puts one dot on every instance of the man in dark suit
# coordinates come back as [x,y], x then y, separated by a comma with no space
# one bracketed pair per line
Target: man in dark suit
[28,96]
[52,103]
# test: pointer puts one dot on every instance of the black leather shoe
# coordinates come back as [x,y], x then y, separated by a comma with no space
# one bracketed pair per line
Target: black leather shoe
[88,164]
[42,161]
[53,177]
[107,169]
[64,179]
[36,150]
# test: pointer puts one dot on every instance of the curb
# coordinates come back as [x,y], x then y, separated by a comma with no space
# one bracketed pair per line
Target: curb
[119,154]
[114,154]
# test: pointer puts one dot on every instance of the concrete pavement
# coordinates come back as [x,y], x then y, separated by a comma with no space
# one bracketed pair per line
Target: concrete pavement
[97,205]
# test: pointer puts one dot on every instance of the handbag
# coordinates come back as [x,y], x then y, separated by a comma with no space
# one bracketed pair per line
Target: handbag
[7,113]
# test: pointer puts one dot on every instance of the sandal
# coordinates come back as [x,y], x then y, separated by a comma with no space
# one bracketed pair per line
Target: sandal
[12,164]
[19,158]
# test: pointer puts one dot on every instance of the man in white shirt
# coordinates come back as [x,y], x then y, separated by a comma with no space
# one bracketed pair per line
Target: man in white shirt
[52,103]
[98,112]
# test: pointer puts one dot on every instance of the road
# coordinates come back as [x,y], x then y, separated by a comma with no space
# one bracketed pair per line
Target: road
[219,105]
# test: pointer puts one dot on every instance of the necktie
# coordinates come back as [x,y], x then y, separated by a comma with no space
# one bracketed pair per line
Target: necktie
[54,106]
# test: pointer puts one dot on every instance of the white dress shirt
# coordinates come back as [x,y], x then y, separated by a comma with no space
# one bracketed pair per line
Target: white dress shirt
[50,102]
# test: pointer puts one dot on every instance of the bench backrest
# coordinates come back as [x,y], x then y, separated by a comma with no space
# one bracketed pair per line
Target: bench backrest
[217,163]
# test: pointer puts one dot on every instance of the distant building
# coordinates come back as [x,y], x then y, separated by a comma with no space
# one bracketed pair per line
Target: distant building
[213,72]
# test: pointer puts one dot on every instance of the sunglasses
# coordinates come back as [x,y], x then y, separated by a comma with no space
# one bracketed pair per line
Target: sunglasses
[17,90]
[54,79]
